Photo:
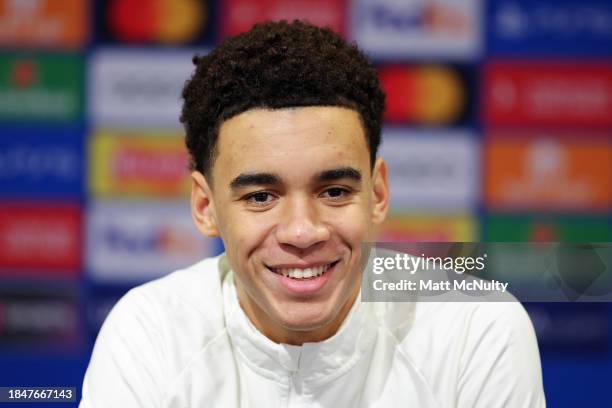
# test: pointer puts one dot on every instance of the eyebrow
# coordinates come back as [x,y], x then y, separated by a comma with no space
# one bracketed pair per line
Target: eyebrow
[338,174]
[258,179]
[253,179]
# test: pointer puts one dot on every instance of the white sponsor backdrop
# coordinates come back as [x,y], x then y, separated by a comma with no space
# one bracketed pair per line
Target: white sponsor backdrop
[431,169]
[138,87]
[418,28]
[134,241]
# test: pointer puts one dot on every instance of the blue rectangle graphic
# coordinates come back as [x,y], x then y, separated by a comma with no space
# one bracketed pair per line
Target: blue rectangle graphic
[41,163]
[549,28]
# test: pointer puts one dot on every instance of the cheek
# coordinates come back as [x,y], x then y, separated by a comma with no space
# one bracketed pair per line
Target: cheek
[243,233]
[353,226]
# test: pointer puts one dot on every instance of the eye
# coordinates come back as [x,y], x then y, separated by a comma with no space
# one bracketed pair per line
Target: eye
[260,198]
[336,193]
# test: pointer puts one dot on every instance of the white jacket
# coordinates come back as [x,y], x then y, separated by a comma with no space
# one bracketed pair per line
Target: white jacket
[184,341]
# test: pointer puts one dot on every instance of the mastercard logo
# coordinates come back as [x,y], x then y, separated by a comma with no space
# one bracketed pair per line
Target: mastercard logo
[156,21]
[427,95]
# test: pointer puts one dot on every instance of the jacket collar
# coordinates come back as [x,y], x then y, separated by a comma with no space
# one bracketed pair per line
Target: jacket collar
[312,362]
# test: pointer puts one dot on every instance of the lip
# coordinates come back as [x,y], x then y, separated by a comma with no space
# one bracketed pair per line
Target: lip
[299,265]
[303,287]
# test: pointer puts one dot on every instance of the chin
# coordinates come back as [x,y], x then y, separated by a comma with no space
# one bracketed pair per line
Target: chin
[303,316]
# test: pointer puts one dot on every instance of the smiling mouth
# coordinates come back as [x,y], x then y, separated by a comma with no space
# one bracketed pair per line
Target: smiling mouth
[305,273]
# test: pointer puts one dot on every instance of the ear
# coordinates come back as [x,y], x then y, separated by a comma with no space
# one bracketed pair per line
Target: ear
[380,189]
[202,206]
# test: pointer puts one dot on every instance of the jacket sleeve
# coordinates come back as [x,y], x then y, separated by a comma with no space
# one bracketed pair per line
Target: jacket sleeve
[501,362]
[126,368]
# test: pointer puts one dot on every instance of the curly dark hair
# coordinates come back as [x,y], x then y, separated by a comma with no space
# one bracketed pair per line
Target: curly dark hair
[277,65]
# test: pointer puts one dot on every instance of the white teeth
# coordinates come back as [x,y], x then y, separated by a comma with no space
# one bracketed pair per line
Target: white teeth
[297,273]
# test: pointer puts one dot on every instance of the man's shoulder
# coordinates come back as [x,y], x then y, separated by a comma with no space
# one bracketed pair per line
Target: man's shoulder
[155,332]
[197,287]
[185,304]
[452,345]
[443,334]
[503,319]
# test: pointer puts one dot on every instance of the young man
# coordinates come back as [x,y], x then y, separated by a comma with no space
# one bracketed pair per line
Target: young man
[283,125]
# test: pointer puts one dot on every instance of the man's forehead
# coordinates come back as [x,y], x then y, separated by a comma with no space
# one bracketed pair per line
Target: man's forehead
[292,119]
[273,132]
[305,139]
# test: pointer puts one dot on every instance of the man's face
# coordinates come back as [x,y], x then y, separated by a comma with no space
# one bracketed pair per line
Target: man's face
[293,197]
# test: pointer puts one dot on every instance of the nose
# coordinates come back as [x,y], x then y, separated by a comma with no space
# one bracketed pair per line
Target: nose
[300,225]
